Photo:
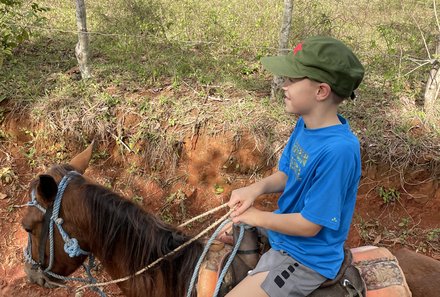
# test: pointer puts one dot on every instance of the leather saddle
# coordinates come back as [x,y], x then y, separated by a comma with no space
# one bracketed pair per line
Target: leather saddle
[348,281]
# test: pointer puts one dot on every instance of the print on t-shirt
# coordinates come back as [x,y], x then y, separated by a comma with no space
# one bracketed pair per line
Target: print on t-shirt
[298,160]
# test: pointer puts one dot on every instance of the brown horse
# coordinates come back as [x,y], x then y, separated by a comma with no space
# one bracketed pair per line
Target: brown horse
[121,235]
[125,238]
[421,272]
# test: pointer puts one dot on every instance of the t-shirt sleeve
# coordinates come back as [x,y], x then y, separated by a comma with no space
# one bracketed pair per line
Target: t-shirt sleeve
[283,164]
[325,198]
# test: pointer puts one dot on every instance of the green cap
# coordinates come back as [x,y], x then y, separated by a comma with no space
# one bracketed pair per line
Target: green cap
[323,59]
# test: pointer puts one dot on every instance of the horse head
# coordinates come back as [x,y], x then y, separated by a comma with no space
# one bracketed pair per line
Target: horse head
[70,217]
[57,243]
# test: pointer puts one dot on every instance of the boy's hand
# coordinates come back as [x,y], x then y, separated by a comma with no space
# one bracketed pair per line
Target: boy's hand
[241,199]
[251,216]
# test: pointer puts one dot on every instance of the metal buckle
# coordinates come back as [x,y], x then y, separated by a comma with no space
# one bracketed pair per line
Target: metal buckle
[346,283]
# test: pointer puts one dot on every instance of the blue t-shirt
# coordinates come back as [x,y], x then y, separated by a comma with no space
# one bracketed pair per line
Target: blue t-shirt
[323,167]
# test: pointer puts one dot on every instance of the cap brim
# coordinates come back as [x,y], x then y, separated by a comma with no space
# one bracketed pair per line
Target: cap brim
[280,66]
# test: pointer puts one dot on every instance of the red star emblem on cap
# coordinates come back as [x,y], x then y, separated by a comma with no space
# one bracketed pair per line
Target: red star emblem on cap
[298,48]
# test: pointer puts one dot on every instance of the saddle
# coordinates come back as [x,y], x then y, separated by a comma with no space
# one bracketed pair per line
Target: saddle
[348,281]
[366,271]
[377,266]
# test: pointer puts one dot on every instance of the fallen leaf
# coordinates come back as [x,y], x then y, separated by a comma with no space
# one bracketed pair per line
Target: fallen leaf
[218,189]
[377,239]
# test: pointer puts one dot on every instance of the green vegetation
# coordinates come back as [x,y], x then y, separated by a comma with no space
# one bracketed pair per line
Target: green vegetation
[405,232]
[165,72]
[16,17]
[137,199]
[163,69]
[174,200]
[388,195]
[433,235]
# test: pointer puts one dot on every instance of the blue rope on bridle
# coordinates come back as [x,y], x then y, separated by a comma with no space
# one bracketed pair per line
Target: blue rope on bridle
[71,246]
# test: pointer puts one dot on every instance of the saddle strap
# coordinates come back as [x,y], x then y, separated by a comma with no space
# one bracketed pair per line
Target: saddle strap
[351,289]
[248,252]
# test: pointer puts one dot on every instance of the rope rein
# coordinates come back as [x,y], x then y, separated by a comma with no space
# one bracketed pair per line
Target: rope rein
[202,256]
[227,264]
[204,215]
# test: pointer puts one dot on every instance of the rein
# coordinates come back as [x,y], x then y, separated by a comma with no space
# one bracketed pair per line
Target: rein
[222,219]
[227,265]
[71,246]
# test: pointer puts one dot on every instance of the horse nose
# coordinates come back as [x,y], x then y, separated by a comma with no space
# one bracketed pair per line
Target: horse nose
[36,276]
[31,273]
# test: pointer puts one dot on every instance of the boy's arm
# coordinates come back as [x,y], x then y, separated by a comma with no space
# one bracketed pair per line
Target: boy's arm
[243,198]
[291,224]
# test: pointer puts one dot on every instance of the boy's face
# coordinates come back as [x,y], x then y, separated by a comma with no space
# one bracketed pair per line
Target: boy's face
[300,95]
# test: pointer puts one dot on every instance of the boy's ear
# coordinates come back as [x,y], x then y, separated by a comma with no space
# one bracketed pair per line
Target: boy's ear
[324,91]
[46,188]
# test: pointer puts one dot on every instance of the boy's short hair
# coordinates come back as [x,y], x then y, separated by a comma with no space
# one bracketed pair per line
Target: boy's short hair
[323,59]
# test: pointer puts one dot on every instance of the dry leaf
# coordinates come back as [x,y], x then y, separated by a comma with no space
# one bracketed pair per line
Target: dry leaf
[3,196]
[377,239]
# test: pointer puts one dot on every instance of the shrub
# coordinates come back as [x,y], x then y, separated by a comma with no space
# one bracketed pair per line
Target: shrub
[16,23]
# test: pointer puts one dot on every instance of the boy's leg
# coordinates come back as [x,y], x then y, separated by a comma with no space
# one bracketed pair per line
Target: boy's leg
[278,275]
[250,286]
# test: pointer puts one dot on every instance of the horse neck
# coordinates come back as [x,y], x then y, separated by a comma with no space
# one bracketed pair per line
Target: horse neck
[126,239]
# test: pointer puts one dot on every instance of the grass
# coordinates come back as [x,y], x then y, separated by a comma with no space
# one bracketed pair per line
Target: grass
[167,70]
[404,232]
[163,67]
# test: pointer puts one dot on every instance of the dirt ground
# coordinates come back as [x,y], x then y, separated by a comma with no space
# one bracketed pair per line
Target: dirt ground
[210,167]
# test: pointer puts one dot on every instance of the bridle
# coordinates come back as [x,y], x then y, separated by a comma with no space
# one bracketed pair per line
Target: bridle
[51,218]
[71,245]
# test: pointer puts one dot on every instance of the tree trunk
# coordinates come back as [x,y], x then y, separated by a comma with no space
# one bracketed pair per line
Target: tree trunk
[82,47]
[431,98]
[284,42]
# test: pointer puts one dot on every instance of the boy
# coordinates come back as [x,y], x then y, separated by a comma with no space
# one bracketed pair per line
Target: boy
[319,172]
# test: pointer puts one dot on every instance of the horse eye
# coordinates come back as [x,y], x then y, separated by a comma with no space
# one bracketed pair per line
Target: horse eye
[27,228]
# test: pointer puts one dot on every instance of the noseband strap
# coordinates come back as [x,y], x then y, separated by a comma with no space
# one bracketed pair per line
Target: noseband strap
[44,235]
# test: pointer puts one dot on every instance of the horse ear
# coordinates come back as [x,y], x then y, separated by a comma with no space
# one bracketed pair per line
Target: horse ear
[47,187]
[81,161]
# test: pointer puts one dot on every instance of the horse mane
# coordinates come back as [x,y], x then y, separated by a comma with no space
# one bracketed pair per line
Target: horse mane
[119,225]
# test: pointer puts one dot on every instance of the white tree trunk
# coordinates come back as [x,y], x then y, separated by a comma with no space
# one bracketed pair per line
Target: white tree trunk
[82,47]
[284,42]
[432,102]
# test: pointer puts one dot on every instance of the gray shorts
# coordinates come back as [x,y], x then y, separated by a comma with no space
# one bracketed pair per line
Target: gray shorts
[287,277]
